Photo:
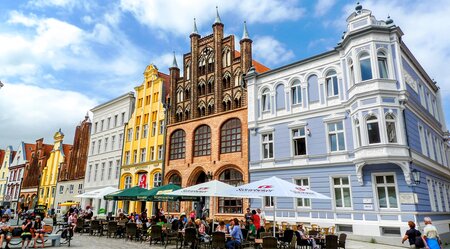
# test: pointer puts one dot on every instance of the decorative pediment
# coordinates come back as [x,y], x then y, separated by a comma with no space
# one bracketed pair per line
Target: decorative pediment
[266,129]
[334,117]
[297,123]
[410,80]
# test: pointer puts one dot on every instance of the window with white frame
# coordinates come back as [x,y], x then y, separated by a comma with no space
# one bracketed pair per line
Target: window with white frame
[61,190]
[268,201]
[430,108]
[127,182]
[352,71]
[154,127]
[437,188]
[331,82]
[137,133]
[446,192]
[71,189]
[117,168]
[143,155]
[95,172]
[336,136]
[265,100]
[296,92]
[110,170]
[423,142]
[160,152]
[106,145]
[431,195]
[365,66]
[436,113]
[267,145]
[152,153]
[80,188]
[390,128]
[422,95]
[145,131]
[127,157]
[89,173]
[342,194]
[102,175]
[135,156]
[120,140]
[113,142]
[358,132]
[438,150]
[382,65]
[99,146]
[430,145]
[157,180]
[299,141]
[129,134]
[303,202]
[93,148]
[386,191]
[373,130]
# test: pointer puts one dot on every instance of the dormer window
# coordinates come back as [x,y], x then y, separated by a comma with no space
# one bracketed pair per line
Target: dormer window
[365,66]
[382,65]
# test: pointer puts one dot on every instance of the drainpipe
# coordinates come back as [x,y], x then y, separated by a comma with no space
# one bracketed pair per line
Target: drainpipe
[121,157]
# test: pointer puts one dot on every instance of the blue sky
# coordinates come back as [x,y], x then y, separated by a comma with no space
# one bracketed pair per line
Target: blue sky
[60,58]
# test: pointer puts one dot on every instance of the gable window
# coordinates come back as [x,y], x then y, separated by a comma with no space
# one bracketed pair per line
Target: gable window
[336,136]
[342,194]
[382,65]
[296,92]
[266,100]
[202,141]
[303,202]
[177,145]
[390,128]
[267,145]
[230,136]
[386,191]
[299,141]
[373,130]
[332,84]
[365,66]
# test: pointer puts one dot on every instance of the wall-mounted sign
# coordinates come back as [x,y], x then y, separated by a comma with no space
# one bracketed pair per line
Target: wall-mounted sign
[368,207]
[142,180]
[367,200]
[408,198]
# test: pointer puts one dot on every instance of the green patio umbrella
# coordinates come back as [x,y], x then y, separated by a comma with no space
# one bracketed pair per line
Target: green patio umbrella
[158,194]
[129,194]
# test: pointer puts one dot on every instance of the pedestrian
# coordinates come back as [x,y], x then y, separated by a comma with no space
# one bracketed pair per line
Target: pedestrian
[26,231]
[413,236]
[262,220]
[430,235]
[256,220]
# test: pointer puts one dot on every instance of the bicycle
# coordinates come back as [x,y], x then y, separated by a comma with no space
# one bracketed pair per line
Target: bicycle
[66,234]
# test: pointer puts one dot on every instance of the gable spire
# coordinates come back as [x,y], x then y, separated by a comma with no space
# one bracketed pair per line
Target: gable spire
[245,33]
[174,63]
[195,30]
[217,16]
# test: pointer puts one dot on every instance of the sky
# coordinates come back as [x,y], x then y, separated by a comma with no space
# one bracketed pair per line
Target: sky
[60,58]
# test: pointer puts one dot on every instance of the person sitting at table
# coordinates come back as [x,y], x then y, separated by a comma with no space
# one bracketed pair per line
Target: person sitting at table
[204,237]
[190,224]
[160,222]
[38,228]
[251,230]
[301,235]
[222,227]
[236,235]
[138,220]
[4,231]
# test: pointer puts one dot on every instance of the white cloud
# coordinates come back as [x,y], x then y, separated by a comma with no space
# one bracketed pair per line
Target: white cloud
[323,6]
[31,112]
[270,51]
[176,16]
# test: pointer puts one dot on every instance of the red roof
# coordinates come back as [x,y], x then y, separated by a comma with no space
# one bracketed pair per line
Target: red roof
[29,148]
[2,157]
[260,68]
[166,82]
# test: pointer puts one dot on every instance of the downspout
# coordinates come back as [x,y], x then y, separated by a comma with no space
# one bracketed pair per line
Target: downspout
[121,162]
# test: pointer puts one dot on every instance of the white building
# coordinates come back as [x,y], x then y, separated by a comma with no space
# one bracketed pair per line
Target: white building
[105,149]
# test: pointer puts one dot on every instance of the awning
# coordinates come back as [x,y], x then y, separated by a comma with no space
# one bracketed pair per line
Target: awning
[98,193]
[129,194]
[68,204]
[160,194]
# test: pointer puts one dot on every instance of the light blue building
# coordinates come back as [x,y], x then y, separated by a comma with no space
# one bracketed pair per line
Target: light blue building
[358,124]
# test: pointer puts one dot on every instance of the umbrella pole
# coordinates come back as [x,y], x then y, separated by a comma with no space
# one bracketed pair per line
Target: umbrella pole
[274,215]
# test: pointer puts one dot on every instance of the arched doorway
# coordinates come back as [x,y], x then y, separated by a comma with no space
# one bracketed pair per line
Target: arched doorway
[203,204]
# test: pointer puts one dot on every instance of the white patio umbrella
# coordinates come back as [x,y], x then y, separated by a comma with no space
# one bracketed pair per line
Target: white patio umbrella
[275,187]
[212,188]
[98,193]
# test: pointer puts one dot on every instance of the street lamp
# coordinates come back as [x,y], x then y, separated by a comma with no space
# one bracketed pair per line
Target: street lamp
[416,176]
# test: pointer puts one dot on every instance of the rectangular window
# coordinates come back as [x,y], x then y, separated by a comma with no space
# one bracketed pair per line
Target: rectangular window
[303,202]
[139,103]
[391,231]
[89,173]
[129,134]
[96,127]
[161,127]
[437,188]
[431,195]
[93,148]
[155,97]
[113,142]
[438,150]
[53,191]
[143,155]
[116,117]
[80,188]
[137,133]
[127,157]
[106,144]
[342,195]
[145,131]
[123,119]
[268,201]
[61,190]
[336,136]
[147,100]
[366,68]
[108,124]
[386,191]
[160,152]
[267,145]
[110,170]
[430,108]
[101,125]
[299,140]
[435,110]
[152,153]
[99,148]
[154,129]
[423,142]
[422,96]
[430,146]
[135,156]
[117,168]
[296,92]
[95,172]
[71,189]
[332,86]
[102,175]
[120,140]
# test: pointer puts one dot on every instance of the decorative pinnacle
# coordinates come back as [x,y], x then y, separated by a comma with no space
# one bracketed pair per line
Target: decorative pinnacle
[174,63]
[245,34]
[217,16]
[195,31]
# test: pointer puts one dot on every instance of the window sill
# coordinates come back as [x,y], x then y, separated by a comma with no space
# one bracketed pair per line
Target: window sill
[266,111]
[265,160]
[333,97]
[297,105]
[300,156]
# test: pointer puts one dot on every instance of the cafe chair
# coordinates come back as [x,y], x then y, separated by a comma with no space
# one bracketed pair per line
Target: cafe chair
[95,227]
[270,243]
[265,234]
[331,242]
[342,239]
[286,240]
[218,240]
[131,231]
[156,234]
[111,229]
[190,236]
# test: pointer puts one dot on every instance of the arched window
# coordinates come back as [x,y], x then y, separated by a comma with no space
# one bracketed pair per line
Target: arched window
[202,141]
[358,132]
[237,102]
[231,205]
[177,145]
[265,100]
[226,105]
[186,114]
[211,63]
[175,179]
[352,71]
[127,182]
[174,206]
[230,136]
[296,92]
[365,66]
[187,93]
[179,115]
[179,95]
[226,58]
[390,128]
[373,130]
[332,83]
[201,88]
[210,88]
[188,71]
[210,108]
[202,66]
[382,65]
[226,81]
[157,179]
[237,79]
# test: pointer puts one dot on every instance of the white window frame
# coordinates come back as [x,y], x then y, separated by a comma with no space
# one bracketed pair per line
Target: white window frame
[422,95]
[152,153]
[430,185]
[61,189]
[265,97]
[386,63]
[336,132]
[113,142]
[145,131]
[367,121]
[267,142]
[127,157]
[375,191]
[110,164]
[361,57]
[305,136]
[117,168]
[71,187]
[106,144]
[358,138]
[143,157]
[95,172]
[307,187]
[157,179]
[102,173]
[423,141]
[295,89]
[393,120]
[160,152]
[430,143]
[446,199]
[438,150]
[154,127]
[80,188]
[271,200]
[329,80]
[437,187]
[127,182]
[161,127]
[332,186]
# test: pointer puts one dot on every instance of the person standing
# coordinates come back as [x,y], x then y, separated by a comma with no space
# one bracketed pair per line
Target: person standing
[262,220]
[430,235]
[247,217]
[256,220]
[413,235]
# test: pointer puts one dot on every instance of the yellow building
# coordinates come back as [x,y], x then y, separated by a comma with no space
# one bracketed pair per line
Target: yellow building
[49,177]
[143,148]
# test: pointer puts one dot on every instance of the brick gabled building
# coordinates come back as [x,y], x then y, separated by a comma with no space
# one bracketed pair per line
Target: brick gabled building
[33,172]
[207,135]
